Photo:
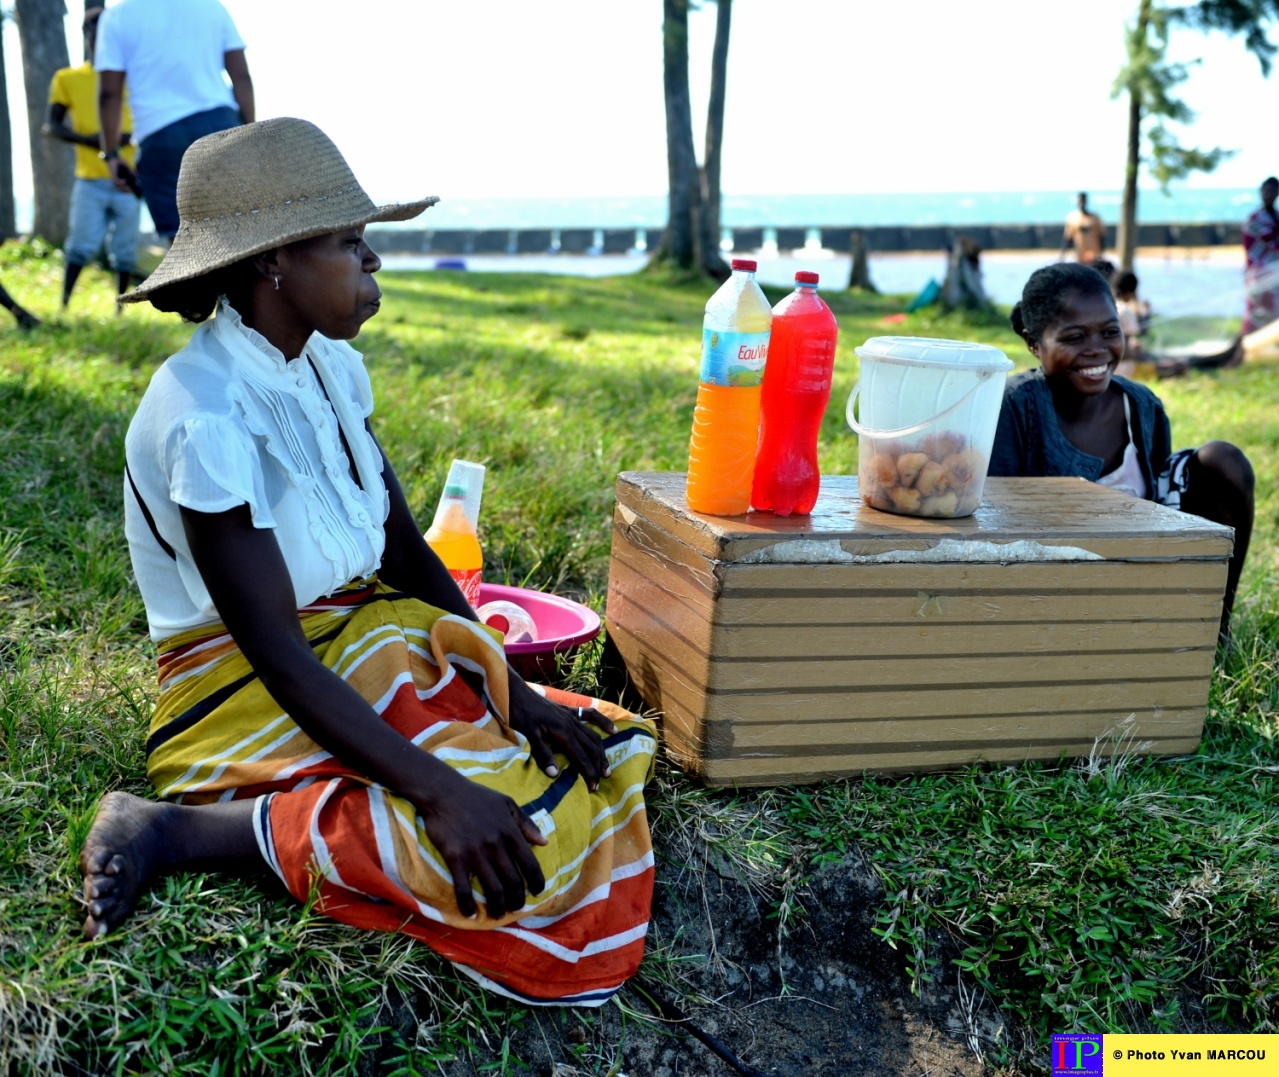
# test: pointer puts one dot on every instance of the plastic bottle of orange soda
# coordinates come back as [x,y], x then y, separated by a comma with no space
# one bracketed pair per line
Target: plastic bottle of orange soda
[721,452]
[452,537]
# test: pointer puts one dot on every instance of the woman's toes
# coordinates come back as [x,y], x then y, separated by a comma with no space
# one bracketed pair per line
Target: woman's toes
[96,886]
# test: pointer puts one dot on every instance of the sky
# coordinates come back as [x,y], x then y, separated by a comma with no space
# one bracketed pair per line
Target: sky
[507,98]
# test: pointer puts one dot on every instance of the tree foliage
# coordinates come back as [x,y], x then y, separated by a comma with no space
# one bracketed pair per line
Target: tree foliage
[1150,80]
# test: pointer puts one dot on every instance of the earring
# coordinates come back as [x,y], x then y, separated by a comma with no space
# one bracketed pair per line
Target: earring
[276,278]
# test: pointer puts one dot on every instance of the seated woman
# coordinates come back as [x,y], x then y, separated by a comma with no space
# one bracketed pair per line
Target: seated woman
[1072,416]
[329,705]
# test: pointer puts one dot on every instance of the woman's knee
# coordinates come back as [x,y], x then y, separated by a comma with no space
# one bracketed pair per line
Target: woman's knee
[1225,463]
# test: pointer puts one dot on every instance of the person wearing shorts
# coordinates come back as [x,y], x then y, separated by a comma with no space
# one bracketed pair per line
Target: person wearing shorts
[100,212]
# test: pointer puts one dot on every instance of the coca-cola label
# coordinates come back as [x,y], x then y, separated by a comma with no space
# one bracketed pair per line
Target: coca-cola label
[733,358]
[468,579]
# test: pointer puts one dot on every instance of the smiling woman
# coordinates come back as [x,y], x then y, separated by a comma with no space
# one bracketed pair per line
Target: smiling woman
[1074,416]
[329,704]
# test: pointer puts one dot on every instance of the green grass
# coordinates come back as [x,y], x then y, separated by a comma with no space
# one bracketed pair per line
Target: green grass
[1128,894]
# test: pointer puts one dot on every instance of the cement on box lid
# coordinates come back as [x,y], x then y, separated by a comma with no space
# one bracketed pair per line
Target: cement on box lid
[925,351]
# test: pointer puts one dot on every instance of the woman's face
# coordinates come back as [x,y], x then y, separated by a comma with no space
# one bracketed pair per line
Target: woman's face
[1084,346]
[328,281]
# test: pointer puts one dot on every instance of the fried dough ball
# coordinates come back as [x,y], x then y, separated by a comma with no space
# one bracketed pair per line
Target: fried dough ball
[940,505]
[908,466]
[940,446]
[882,469]
[960,467]
[932,479]
[905,498]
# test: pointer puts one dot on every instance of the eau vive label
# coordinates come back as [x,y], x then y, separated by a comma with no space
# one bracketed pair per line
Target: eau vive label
[733,358]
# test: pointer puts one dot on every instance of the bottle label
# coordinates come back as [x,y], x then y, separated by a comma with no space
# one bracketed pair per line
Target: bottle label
[733,358]
[468,579]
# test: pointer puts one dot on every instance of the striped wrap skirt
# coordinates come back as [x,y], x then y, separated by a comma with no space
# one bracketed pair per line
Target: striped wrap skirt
[361,851]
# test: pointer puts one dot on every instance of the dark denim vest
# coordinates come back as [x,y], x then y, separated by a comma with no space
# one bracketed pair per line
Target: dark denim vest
[1029,441]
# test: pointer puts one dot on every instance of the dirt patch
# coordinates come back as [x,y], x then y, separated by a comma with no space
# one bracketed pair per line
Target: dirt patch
[828,999]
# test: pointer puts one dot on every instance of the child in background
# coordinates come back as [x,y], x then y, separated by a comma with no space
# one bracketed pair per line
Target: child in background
[1074,417]
[1134,316]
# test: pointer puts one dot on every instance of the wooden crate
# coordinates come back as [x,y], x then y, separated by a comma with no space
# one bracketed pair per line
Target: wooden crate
[793,649]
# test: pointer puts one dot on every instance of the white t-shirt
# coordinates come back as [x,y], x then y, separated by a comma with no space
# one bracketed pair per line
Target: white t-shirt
[226,422]
[172,55]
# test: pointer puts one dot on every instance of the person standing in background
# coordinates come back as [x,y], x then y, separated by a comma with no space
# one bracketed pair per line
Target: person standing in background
[1085,231]
[97,207]
[173,54]
[1261,250]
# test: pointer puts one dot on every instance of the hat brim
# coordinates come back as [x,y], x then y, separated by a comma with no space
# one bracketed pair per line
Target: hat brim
[193,255]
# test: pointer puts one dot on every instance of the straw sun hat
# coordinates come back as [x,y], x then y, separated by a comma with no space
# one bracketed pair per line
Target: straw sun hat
[249,189]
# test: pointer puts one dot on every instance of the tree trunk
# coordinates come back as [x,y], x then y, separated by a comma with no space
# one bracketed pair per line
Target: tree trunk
[1127,239]
[8,218]
[859,277]
[711,261]
[680,242]
[44,49]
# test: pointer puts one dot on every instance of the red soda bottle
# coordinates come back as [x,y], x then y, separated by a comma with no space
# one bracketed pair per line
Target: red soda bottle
[801,357]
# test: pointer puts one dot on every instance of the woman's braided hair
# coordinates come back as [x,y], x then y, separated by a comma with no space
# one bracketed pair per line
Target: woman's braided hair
[1044,296]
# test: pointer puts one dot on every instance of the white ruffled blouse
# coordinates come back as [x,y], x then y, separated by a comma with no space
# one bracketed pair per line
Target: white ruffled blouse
[229,421]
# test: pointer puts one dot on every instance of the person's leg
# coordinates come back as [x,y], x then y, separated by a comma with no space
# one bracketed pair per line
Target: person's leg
[90,209]
[126,209]
[133,839]
[160,160]
[1220,488]
[26,319]
[70,274]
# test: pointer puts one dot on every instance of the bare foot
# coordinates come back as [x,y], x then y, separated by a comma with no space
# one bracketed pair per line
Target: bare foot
[125,847]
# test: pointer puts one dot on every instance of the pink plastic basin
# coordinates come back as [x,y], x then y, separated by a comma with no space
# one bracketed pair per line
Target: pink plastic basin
[562,626]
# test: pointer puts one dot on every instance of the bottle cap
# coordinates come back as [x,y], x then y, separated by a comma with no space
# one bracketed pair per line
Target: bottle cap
[454,489]
[748,264]
[805,276]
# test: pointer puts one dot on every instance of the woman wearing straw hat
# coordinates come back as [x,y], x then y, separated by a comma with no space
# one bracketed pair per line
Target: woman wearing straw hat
[328,702]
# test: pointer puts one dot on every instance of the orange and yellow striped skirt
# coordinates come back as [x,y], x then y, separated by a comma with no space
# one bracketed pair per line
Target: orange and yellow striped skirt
[218,735]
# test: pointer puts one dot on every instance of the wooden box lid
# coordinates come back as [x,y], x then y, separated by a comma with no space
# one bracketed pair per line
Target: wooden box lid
[1020,520]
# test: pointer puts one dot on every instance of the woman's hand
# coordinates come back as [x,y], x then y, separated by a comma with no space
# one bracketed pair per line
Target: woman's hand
[551,727]
[484,835]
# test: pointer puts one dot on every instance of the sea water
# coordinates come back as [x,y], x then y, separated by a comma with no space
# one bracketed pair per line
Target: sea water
[1178,283]
[1184,205]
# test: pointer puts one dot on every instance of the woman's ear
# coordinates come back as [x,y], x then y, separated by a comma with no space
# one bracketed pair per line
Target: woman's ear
[266,266]
[1031,345]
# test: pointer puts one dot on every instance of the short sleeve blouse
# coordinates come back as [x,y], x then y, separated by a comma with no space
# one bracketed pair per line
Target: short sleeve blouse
[229,421]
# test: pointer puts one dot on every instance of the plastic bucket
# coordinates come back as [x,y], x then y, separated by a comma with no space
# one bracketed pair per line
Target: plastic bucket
[928,412]
[562,626]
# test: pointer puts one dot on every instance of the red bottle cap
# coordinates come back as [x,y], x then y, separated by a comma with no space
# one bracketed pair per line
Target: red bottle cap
[748,264]
[805,276]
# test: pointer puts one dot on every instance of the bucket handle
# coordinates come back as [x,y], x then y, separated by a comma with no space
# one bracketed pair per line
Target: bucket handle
[905,431]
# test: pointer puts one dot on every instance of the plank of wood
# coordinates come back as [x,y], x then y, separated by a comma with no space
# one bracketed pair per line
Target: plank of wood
[668,687]
[925,607]
[1051,578]
[938,731]
[919,671]
[1048,511]
[923,637]
[763,772]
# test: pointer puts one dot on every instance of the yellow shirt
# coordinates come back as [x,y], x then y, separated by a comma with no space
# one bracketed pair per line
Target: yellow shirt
[76,89]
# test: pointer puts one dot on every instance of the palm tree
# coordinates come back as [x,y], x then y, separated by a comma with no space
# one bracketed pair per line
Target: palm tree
[42,34]
[1149,79]
[692,227]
